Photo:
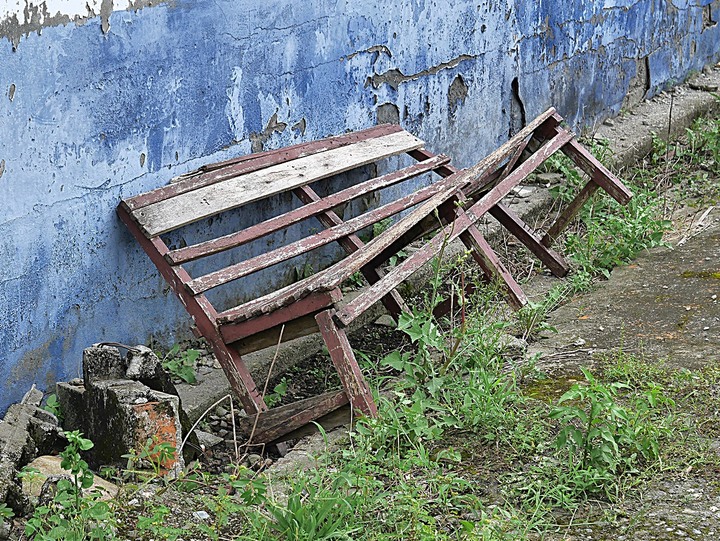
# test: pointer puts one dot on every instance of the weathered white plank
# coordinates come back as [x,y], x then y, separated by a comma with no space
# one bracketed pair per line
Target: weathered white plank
[190,207]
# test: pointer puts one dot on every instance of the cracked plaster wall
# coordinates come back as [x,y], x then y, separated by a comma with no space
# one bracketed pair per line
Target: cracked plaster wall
[101,100]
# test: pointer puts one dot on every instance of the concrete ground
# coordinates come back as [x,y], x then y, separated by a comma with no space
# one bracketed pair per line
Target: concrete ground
[666,306]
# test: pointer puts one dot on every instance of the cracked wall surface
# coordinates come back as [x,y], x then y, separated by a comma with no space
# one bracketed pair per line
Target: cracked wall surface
[101,100]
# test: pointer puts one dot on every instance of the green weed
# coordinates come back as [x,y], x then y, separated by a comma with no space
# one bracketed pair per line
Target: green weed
[181,364]
[52,404]
[74,514]
[5,512]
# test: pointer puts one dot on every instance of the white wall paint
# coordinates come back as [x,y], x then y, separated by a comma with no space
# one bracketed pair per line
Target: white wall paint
[72,8]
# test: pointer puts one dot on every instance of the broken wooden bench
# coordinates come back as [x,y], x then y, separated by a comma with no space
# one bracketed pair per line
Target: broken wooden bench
[450,207]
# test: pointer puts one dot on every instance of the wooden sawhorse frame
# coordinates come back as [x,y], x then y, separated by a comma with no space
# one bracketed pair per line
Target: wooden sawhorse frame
[460,199]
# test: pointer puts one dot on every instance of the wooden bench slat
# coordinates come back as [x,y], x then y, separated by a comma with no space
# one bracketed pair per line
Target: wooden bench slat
[233,331]
[473,178]
[278,223]
[217,172]
[467,218]
[207,201]
[302,246]
[260,306]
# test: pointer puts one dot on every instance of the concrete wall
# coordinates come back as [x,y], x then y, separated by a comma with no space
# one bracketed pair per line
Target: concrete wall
[100,100]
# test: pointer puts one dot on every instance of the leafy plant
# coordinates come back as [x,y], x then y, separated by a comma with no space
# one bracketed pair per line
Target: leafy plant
[155,523]
[278,393]
[5,512]
[153,454]
[599,433]
[181,364]
[52,404]
[310,514]
[75,513]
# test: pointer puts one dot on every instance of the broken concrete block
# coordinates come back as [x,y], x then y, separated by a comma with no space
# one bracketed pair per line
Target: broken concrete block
[45,432]
[144,366]
[125,403]
[33,397]
[125,416]
[101,363]
[71,397]
[16,445]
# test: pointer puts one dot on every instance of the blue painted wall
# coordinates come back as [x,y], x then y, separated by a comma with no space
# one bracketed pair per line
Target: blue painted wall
[88,117]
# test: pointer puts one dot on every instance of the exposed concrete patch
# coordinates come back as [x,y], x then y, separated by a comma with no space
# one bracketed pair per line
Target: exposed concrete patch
[388,113]
[457,93]
[394,77]
[300,126]
[258,140]
[375,49]
[639,84]
[517,109]
[708,21]
[36,17]
[106,9]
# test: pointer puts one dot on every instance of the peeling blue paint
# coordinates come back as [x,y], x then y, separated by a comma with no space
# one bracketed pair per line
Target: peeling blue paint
[87,118]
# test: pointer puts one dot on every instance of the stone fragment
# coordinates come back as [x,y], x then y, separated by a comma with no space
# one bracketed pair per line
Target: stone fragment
[522,192]
[550,178]
[255,461]
[386,321]
[71,397]
[24,427]
[208,440]
[513,347]
[144,366]
[101,363]
[221,412]
[48,468]
[45,432]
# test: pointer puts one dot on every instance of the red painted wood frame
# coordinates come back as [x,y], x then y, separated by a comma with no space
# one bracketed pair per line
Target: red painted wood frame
[461,201]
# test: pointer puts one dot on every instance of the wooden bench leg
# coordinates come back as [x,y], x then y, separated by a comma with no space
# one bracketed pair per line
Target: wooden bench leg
[343,359]
[241,382]
[525,234]
[569,213]
[492,266]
